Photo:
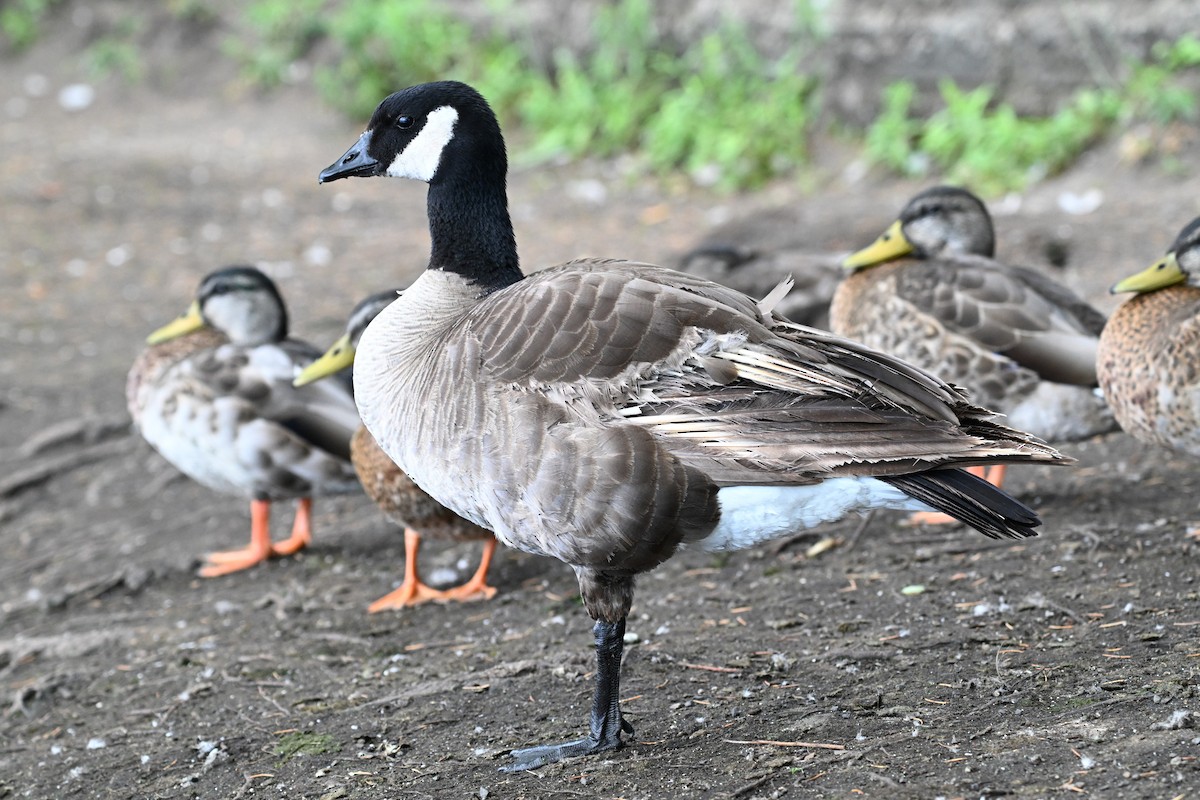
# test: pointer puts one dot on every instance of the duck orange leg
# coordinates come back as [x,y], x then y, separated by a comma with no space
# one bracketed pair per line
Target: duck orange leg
[477,587]
[413,591]
[301,531]
[259,549]
[993,475]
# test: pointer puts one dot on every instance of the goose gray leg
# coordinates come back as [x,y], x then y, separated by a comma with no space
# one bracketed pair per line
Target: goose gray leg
[606,721]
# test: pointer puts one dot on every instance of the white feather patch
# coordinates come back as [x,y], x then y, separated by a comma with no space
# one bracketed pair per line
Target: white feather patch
[754,514]
[768,303]
[420,159]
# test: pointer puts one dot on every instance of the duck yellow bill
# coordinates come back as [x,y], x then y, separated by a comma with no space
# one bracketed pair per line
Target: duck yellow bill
[339,356]
[1162,273]
[191,320]
[891,244]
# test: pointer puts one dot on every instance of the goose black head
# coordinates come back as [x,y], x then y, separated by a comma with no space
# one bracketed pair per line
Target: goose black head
[418,131]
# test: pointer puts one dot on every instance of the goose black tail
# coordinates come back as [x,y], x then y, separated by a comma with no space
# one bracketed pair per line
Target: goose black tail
[971,500]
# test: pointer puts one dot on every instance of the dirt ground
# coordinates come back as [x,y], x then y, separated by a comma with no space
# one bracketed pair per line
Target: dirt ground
[1060,666]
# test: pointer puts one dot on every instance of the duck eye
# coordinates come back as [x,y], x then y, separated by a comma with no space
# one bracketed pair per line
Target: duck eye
[404,123]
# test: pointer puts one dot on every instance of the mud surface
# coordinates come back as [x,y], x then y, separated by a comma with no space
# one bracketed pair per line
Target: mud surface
[1058,666]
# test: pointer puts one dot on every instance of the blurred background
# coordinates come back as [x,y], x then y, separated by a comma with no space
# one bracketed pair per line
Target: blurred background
[144,144]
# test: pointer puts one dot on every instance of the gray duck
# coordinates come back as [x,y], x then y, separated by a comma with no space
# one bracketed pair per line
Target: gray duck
[930,291]
[213,394]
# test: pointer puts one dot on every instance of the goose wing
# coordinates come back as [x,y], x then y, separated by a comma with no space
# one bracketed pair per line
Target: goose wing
[732,391]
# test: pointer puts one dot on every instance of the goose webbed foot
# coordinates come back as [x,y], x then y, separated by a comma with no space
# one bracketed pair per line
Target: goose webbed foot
[607,724]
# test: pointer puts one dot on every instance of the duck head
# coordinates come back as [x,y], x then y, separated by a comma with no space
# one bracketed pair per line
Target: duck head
[340,354]
[941,221]
[239,301]
[1181,264]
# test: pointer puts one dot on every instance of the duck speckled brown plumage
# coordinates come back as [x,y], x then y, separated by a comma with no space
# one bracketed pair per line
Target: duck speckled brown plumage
[213,395]
[401,500]
[606,412]
[1149,360]
[929,291]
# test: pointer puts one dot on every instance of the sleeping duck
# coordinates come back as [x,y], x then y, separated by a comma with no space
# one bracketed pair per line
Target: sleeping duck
[1149,359]
[213,394]
[394,492]
[928,290]
[753,253]
[608,413]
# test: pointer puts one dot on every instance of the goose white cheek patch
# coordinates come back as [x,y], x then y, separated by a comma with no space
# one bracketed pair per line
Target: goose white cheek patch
[421,158]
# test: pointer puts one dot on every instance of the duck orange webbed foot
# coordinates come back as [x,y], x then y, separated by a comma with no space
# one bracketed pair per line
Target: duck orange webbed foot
[477,587]
[409,593]
[414,591]
[226,562]
[261,548]
[301,531]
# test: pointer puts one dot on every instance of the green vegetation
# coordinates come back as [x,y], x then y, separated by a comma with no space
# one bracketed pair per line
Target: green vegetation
[304,743]
[719,110]
[284,31]
[988,146]
[116,52]
[21,20]
[630,92]
[1153,90]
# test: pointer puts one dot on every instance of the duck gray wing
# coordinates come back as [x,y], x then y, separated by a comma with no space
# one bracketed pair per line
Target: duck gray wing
[258,382]
[1036,323]
[1089,318]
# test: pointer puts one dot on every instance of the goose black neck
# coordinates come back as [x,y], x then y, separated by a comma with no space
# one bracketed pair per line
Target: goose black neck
[471,230]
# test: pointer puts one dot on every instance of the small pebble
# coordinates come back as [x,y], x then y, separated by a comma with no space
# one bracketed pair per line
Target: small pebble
[36,85]
[1079,204]
[76,96]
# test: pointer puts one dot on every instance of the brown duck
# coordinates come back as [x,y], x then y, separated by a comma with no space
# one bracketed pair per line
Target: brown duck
[607,413]
[401,500]
[1149,360]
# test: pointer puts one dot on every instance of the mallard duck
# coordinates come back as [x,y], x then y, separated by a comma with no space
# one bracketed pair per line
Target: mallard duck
[394,492]
[213,395]
[928,290]
[607,413]
[1149,359]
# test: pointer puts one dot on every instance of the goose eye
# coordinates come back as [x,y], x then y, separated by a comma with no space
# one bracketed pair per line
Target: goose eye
[404,123]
